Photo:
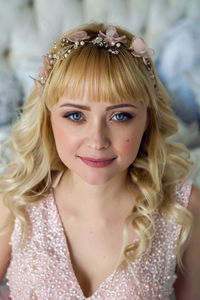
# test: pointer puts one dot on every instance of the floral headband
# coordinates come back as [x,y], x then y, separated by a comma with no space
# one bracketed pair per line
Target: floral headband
[111,41]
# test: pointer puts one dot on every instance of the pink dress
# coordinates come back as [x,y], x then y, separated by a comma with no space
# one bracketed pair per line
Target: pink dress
[43,270]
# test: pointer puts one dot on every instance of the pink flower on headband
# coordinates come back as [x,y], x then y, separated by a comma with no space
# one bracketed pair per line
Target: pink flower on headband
[43,73]
[112,37]
[78,36]
[140,48]
[45,69]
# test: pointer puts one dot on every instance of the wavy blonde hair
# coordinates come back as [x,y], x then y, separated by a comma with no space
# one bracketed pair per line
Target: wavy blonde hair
[159,165]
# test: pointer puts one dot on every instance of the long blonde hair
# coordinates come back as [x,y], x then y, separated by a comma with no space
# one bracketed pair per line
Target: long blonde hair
[159,165]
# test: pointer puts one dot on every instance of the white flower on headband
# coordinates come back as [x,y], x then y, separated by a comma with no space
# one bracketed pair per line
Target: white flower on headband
[112,37]
[140,49]
[43,73]
[80,35]
[45,69]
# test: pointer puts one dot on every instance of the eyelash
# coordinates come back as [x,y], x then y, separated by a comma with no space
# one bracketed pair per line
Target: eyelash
[125,114]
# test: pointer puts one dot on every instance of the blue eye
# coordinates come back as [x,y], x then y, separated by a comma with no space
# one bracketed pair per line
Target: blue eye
[75,116]
[78,117]
[122,116]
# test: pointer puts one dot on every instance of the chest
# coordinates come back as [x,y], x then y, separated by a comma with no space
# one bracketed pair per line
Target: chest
[53,274]
[94,247]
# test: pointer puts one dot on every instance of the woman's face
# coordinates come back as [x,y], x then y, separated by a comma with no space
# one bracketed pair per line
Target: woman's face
[97,141]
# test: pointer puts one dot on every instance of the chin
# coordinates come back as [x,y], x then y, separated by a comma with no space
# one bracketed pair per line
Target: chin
[95,180]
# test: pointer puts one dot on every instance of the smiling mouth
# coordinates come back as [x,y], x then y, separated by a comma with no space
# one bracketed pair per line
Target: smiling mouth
[97,159]
[97,163]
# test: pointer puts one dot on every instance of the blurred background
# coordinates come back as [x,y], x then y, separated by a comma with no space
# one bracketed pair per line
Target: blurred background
[28,29]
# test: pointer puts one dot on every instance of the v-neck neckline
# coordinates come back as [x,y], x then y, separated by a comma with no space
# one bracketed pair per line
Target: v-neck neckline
[108,279]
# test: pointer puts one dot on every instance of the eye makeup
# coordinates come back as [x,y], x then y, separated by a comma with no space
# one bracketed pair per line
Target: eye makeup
[77,116]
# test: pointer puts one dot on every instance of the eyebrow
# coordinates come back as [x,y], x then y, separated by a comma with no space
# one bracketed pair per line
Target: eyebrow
[84,107]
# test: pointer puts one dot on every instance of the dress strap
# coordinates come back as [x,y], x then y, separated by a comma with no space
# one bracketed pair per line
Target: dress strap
[183,191]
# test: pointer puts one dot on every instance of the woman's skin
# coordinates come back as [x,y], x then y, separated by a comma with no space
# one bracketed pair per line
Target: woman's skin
[92,198]
[98,131]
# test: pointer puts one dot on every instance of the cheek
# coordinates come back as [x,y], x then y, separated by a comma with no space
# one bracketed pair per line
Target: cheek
[127,145]
[130,145]
[130,142]
[59,135]
[64,141]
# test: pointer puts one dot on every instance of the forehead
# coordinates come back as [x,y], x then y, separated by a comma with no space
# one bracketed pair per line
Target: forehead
[65,100]
[93,75]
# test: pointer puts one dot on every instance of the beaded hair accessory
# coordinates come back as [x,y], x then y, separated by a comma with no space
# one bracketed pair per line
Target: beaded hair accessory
[111,41]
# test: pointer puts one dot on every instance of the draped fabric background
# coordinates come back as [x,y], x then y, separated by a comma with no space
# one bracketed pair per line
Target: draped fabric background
[29,27]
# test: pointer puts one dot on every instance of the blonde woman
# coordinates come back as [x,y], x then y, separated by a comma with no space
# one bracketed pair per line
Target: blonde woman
[95,204]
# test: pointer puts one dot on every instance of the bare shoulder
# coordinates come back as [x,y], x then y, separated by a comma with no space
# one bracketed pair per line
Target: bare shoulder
[187,284]
[5,249]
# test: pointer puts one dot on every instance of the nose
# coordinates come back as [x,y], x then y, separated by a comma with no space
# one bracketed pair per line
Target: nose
[98,136]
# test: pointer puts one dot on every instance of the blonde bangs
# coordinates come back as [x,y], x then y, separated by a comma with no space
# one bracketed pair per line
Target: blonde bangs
[100,75]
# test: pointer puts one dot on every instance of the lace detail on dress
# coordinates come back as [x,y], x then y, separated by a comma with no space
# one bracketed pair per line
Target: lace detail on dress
[43,269]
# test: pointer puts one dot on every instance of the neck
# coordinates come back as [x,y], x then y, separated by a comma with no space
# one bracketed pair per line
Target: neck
[96,199]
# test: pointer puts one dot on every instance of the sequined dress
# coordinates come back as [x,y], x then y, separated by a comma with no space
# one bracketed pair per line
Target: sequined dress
[43,270]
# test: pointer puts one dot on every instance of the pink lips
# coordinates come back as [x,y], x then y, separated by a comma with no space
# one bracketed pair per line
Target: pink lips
[97,163]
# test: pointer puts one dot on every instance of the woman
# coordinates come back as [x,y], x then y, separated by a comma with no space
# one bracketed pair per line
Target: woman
[96,190]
